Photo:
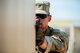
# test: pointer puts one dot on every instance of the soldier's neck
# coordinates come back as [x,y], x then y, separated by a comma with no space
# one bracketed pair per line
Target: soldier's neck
[45,28]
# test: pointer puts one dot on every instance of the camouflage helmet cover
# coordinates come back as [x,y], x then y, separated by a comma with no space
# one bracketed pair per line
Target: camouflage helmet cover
[42,7]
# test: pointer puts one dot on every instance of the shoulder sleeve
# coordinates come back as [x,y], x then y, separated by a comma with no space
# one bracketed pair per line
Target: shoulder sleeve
[58,41]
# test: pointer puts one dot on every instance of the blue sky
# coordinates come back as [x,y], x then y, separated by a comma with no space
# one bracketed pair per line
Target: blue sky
[65,10]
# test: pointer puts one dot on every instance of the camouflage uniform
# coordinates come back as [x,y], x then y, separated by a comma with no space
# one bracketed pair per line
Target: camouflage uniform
[57,41]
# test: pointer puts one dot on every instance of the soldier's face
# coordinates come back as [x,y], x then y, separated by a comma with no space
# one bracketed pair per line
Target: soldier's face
[45,21]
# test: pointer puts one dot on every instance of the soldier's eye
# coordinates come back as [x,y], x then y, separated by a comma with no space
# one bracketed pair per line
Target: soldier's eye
[42,16]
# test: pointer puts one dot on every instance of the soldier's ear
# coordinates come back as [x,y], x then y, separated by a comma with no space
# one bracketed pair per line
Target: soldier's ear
[50,18]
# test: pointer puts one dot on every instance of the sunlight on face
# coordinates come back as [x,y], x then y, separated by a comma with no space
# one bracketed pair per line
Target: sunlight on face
[45,21]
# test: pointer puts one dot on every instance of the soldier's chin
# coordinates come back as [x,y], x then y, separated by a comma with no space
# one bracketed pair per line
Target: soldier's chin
[45,27]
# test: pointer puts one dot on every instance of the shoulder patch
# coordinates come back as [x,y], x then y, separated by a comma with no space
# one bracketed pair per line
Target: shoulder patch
[56,37]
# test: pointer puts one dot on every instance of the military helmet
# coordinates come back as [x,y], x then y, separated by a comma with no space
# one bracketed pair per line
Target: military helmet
[42,7]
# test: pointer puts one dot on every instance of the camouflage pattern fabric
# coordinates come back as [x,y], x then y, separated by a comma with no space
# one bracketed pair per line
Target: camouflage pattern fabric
[58,39]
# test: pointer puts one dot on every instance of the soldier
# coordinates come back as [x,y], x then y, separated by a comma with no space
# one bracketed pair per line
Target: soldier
[48,39]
